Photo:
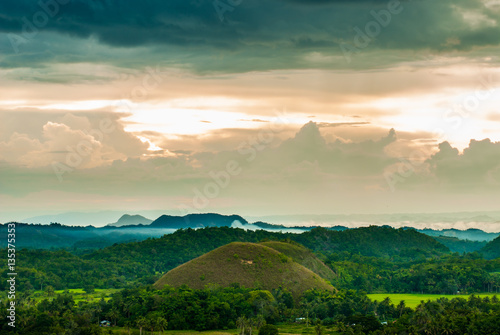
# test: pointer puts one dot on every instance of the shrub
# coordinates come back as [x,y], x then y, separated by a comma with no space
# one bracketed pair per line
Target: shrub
[268,330]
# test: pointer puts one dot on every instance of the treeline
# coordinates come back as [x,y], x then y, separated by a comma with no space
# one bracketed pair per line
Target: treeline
[213,308]
[448,274]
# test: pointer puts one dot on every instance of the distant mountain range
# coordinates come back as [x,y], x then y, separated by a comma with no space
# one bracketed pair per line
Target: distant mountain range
[130,220]
[136,228]
[488,221]
[471,234]
[197,221]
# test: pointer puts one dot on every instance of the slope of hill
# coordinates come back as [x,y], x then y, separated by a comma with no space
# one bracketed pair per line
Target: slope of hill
[55,235]
[492,249]
[130,220]
[303,256]
[471,234]
[460,246]
[372,241]
[250,265]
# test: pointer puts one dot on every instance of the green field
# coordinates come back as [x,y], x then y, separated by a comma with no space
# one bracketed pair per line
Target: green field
[78,294]
[413,300]
[124,331]
[290,329]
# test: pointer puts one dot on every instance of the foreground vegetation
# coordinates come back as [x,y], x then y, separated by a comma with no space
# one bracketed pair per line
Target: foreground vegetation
[215,308]
[59,292]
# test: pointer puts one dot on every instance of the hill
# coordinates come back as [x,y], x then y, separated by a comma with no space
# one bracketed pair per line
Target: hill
[196,221]
[250,265]
[55,235]
[372,241]
[130,220]
[460,246]
[304,257]
[471,234]
[492,249]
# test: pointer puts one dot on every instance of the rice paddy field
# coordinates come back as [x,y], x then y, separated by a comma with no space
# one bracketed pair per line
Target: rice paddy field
[413,300]
[290,329]
[79,294]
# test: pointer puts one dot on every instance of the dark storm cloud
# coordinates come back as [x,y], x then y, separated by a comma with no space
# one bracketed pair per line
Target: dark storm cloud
[254,35]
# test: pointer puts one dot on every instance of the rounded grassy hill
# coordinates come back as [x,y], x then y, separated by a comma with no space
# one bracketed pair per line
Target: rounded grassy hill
[248,264]
[303,256]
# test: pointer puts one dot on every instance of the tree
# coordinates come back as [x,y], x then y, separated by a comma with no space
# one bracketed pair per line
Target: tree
[89,289]
[250,324]
[401,307]
[113,315]
[268,330]
[260,321]
[161,324]
[49,290]
[318,329]
[241,323]
[141,323]
[128,324]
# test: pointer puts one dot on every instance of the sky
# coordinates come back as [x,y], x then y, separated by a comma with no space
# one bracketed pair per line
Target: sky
[275,107]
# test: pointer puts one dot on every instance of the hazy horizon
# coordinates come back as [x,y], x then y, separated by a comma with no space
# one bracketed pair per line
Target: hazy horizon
[486,221]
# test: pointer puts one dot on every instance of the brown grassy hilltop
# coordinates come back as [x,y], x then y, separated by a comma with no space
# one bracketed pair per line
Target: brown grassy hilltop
[250,265]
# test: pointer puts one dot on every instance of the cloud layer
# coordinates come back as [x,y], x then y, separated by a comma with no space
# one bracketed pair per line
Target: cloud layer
[256,35]
[262,168]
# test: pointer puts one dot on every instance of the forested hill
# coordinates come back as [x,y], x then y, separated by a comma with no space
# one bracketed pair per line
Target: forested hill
[460,246]
[196,221]
[470,234]
[492,249]
[171,250]
[372,241]
[186,244]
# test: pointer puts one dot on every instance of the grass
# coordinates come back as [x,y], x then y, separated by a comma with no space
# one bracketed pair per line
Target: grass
[413,300]
[124,331]
[250,265]
[288,329]
[301,329]
[78,294]
[303,256]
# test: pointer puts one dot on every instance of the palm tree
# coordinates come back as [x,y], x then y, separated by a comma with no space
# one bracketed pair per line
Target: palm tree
[127,306]
[141,322]
[318,329]
[250,324]
[49,290]
[241,323]
[259,321]
[98,311]
[113,315]
[161,324]
[128,324]
[401,307]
